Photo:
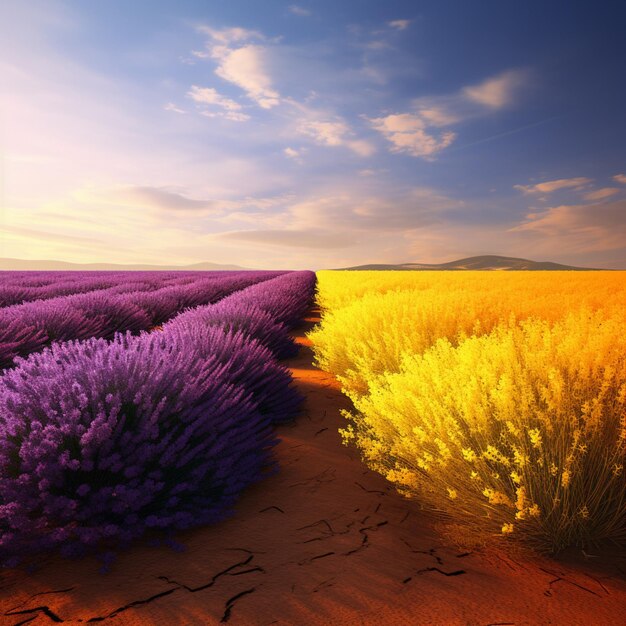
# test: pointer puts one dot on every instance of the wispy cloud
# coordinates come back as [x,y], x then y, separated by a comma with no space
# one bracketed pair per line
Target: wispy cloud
[399,24]
[328,133]
[170,106]
[550,186]
[293,238]
[242,63]
[620,178]
[415,133]
[497,92]
[602,194]
[334,133]
[208,96]
[29,233]
[582,227]
[298,10]
[292,153]
[408,134]
[159,198]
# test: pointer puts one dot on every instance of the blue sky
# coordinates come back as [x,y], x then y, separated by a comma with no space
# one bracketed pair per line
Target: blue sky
[318,134]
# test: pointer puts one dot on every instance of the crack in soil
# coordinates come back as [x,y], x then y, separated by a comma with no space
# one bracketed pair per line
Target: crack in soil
[230,603]
[269,508]
[38,609]
[365,540]
[213,580]
[41,593]
[378,491]
[458,572]
[133,604]
[548,591]
[181,586]
[315,558]
[327,476]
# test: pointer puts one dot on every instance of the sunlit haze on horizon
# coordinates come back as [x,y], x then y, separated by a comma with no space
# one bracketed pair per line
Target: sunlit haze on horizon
[312,135]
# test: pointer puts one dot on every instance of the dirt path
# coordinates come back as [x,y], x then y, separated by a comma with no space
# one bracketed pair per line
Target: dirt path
[324,541]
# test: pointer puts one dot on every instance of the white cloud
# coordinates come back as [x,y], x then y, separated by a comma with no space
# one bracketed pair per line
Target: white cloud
[324,132]
[437,116]
[334,133]
[407,132]
[233,116]
[228,36]
[411,132]
[620,178]
[246,67]
[242,63]
[231,110]
[602,194]
[298,10]
[292,153]
[208,95]
[399,24]
[497,92]
[580,228]
[555,185]
[170,106]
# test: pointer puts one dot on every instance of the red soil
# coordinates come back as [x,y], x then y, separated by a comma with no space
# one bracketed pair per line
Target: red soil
[324,541]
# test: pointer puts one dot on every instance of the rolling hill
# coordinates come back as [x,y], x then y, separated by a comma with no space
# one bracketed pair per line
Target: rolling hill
[24,264]
[483,262]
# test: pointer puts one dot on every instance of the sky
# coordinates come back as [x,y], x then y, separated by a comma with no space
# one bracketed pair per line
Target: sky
[312,135]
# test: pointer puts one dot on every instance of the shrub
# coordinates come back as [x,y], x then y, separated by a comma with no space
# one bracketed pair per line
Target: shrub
[247,362]
[235,316]
[369,335]
[101,441]
[286,298]
[521,431]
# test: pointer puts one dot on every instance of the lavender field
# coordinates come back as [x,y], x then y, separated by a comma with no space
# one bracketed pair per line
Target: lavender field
[137,402]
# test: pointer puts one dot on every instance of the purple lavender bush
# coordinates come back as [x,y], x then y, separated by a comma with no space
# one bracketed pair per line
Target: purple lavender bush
[285,298]
[235,316]
[248,363]
[28,327]
[101,441]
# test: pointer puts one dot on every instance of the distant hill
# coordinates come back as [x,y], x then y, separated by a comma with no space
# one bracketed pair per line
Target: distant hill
[23,264]
[484,262]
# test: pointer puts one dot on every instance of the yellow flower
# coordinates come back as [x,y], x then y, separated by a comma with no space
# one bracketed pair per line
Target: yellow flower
[469,454]
[507,529]
[565,477]
[535,437]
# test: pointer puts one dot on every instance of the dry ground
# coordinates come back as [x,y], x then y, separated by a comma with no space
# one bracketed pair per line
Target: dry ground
[324,541]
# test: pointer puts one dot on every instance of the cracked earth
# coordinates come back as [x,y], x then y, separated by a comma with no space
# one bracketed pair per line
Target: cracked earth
[324,541]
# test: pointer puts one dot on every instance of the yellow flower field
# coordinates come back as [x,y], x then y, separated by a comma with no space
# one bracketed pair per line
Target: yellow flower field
[497,397]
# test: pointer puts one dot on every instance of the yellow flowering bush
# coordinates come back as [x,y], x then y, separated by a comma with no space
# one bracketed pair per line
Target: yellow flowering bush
[367,336]
[503,405]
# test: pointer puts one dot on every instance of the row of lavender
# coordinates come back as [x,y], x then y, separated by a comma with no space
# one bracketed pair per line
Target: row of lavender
[146,301]
[19,287]
[101,441]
